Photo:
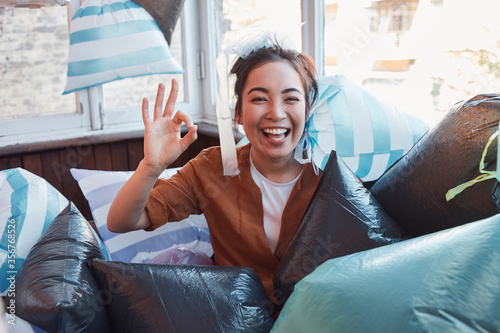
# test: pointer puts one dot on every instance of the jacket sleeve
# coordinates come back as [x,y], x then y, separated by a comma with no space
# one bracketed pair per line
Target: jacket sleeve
[173,199]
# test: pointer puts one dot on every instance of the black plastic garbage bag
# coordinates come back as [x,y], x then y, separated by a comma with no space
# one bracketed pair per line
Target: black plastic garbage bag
[413,191]
[182,298]
[496,195]
[342,218]
[56,290]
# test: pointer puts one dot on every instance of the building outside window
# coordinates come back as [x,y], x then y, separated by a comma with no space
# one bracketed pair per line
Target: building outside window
[421,55]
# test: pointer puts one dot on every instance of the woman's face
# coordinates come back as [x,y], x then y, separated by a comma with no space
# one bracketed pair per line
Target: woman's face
[273,110]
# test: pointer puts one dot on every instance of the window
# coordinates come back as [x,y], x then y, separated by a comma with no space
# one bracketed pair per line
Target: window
[420,55]
[33,107]
[46,55]
[233,15]
[33,73]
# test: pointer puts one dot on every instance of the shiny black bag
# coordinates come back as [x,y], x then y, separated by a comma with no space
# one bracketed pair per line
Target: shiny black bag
[182,298]
[413,191]
[55,288]
[342,218]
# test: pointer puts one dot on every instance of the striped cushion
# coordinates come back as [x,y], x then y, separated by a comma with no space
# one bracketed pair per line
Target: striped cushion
[101,187]
[28,205]
[368,134]
[112,40]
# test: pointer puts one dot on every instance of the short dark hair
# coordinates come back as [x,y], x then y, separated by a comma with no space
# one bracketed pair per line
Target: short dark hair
[302,64]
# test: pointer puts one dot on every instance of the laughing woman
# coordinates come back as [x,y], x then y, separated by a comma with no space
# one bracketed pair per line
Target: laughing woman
[252,217]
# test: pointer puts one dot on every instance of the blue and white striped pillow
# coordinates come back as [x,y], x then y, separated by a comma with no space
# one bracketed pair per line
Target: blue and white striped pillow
[115,39]
[100,189]
[28,205]
[367,133]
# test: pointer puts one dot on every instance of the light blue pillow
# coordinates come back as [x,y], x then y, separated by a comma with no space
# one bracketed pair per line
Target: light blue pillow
[448,281]
[367,133]
[28,205]
[100,189]
[115,39]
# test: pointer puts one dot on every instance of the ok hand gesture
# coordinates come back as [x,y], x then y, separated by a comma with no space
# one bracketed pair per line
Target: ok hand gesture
[163,143]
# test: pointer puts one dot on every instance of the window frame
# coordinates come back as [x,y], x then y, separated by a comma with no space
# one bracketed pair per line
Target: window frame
[313,33]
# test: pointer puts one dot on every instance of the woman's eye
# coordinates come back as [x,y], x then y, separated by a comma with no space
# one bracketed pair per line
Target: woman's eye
[292,99]
[258,99]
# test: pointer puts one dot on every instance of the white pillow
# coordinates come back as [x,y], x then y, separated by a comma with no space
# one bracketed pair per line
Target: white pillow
[100,189]
[367,133]
[28,205]
[115,39]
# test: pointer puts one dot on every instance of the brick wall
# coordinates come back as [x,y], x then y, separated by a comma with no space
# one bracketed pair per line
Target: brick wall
[33,60]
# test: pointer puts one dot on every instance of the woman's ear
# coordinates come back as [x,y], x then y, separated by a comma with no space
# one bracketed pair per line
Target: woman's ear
[237,115]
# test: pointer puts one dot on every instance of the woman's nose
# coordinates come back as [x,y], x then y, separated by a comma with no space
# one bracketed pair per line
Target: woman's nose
[276,112]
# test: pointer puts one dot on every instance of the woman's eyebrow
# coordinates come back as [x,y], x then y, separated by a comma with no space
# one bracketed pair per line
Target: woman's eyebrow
[291,90]
[264,90]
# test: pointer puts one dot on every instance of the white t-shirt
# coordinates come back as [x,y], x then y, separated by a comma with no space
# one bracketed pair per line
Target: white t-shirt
[274,199]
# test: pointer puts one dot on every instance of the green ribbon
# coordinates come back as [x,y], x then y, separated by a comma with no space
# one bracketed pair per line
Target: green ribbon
[485,175]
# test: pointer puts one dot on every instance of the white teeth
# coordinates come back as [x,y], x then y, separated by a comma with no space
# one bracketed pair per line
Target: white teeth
[275,131]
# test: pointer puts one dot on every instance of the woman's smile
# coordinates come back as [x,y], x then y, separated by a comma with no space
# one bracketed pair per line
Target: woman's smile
[277,134]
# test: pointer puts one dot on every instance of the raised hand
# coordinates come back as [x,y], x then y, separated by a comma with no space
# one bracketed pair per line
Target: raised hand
[163,143]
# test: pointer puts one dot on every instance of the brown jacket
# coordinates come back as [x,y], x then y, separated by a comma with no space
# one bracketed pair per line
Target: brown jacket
[233,209]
